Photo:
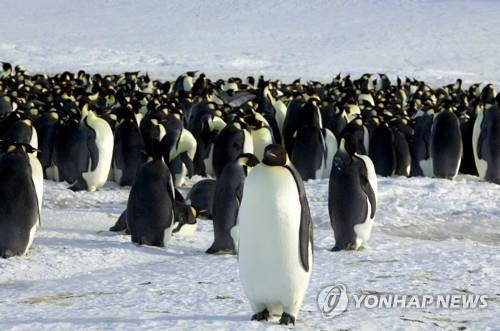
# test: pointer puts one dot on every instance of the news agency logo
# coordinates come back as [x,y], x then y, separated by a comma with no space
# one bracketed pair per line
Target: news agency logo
[333,300]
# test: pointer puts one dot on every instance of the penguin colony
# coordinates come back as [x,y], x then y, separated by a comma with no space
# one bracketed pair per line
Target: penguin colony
[255,140]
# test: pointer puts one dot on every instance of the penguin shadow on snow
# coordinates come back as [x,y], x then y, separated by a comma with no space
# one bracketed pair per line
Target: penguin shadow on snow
[97,245]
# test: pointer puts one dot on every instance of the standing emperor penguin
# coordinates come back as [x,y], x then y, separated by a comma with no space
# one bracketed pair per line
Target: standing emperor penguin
[486,144]
[150,205]
[275,238]
[226,202]
[100,159]
[128,151]
[20,192]
[232,141]
[352,196]
[446,145]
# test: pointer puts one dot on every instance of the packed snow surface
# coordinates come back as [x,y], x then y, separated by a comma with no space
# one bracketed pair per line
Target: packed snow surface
[431,236]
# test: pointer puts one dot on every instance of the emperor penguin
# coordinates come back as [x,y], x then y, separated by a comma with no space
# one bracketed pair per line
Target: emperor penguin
[352,196]
[201,197]
[314,146]
[446,145]
[47,126]
[150,205]
[382,152]
[486,144]
[227,199]
[262,136]
[181,147]
[100,158]
[19,129]
[128,151]
[232,141]
[275,238]
[421,158]
[21,198]
[205,125]
[184,83]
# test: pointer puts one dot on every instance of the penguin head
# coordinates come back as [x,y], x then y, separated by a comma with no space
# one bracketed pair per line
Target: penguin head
[247,161]
[184,214]
[275,155]
[7,146]
[348,144]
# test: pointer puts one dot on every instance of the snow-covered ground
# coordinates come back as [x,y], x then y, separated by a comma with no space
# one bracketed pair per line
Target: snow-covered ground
[431,236]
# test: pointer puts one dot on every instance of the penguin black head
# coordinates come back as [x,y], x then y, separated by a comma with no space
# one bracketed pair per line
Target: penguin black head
[248,159]
[348,144]
[275,155]
[7,146]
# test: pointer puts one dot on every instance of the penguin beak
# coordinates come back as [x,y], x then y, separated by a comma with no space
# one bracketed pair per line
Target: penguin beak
[194,212]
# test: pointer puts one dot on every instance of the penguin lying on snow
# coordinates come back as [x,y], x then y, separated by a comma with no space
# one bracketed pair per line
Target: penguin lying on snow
[20,204]
[352,196]
[275,238]
[201,197]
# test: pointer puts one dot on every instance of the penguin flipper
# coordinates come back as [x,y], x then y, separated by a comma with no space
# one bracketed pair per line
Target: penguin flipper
[367,188]
[188,163]
[93,150]
[306,226]
[480,140]
[121,223]
[37,206]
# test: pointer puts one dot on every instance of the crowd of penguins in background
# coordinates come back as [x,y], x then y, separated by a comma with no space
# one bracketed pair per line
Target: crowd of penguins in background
[86,129]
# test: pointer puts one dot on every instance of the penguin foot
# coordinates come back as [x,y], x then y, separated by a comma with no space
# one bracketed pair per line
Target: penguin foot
[6,254]
[220,251]
[347,247]
[78,186]
[262,316]
[287,319]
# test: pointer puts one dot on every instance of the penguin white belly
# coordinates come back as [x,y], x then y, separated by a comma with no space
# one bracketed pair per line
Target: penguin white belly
[481,165]
[187,83]
[259,117]
[187,143]
[281,109]
[37,177]
[364,230]
[235,234]
[366,140]
[331,149]
[52,173]
[261,138]
[34,139]
[104,141]
[216,124]
[209,168]
[269,219]
[248,142]
[187,229]
[138,118]
[180,179]
[167,234]
[427,167]
[31,237]
[372,175]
